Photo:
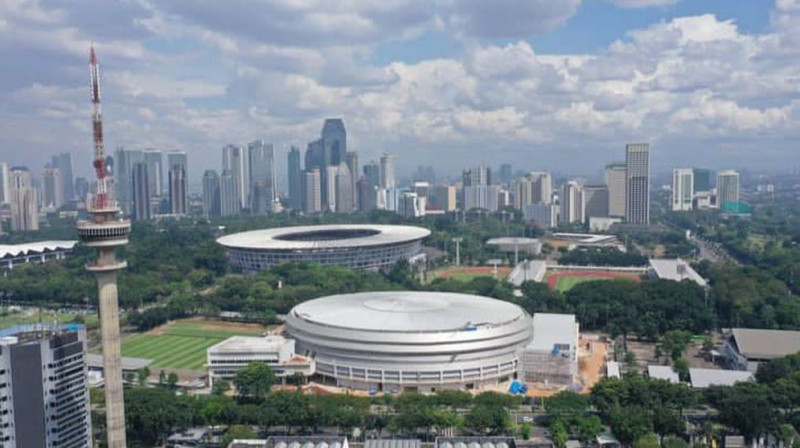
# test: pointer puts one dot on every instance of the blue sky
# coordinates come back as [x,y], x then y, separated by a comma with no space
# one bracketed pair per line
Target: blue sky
[540,84]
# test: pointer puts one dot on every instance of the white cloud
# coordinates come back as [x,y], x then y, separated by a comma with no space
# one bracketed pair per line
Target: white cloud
[643,3]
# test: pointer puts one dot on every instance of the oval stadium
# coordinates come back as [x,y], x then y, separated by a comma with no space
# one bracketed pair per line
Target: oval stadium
[357,246]
[424,341]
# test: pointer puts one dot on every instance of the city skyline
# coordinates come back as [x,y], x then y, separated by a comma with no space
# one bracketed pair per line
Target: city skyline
[539,88]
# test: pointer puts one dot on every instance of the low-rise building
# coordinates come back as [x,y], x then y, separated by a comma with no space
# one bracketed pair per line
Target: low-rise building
[663,373]
[292,442]
[746,348]
[676,270]
[226,358]
[552,355]
[475,442]
[702,378]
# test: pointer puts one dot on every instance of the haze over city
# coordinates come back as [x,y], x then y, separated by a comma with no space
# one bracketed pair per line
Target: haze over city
[542,85]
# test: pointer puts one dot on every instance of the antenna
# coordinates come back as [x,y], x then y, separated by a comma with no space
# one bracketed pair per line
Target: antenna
[101,200]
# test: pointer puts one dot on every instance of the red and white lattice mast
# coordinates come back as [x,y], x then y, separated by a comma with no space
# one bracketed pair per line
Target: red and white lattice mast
[105,231]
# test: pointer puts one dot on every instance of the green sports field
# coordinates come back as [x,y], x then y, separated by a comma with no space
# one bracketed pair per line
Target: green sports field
[180,345]
[564,284]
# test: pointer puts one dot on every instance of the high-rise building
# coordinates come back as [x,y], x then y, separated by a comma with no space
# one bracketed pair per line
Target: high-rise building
[682,189]
[544,216]
[411,205]
[387,170]
[235,162]
[229,203]
[615,181]
[637,183]
[312,189]
[334,138]
[44,395]
[352,165]
[178,195]
[63,163]
[295,173]
[52,189]
[178,158]
[506,174]
[345,202]
[5,184]
[444,198]
[261,157]
[366,195]
[595,198]
[24,211]
[479,175]
[81,188]
[702,180]
[211,197]
[140,210]
[155,171]
[125,160]
[727,188]
[372,171]
[533,188]
[573,207]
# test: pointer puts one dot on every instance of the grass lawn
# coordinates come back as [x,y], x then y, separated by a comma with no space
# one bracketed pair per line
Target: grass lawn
[180,345]
[48,317]
[566,283]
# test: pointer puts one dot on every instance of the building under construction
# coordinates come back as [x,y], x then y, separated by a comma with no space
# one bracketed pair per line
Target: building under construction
[552,355]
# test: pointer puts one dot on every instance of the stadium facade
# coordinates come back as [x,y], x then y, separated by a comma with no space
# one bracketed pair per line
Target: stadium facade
[424,341]
[363,246]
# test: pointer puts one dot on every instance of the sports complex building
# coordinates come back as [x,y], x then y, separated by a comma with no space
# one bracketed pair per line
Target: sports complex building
[363,246]
[403,340]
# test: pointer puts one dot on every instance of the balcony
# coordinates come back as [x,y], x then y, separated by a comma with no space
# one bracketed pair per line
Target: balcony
[104,234]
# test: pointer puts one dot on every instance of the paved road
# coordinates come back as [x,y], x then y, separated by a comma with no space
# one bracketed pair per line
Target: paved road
[713,252]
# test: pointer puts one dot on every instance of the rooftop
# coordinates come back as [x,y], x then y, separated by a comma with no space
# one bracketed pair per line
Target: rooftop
[323,237]
[392,443]
[408,311]
[663,373]
[13,250]
[512,240]
[766,344]
[676,270]
[249,344]
[552,329]
[702,378]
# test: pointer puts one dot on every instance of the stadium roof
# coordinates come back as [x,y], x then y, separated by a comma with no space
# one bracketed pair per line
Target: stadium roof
[249,344]
[512,240]
[323,237]
[702,378]
[39,247]
[663,373]
[407,311]
[766,344]
[128,364]
[552,329]
[676,270]
[586,238]
[392,443]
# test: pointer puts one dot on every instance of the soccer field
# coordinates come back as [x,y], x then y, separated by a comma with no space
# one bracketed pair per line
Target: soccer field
[564,281]
[564,284]
[180,345]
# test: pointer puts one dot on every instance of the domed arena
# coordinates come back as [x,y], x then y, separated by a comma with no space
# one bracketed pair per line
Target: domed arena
[402,340]
[362,246]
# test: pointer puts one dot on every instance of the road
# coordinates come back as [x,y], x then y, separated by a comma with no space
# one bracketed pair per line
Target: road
[713,252]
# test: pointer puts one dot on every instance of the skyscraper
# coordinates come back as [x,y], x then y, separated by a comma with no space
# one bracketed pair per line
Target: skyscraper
[52,189]
[5,184]
[727,188]
[345,202]
[140,210]
[155,171]
[702,180]
[682,189]
[178,195]
[387,170]
[372,171]
[533,188]
[229,203]
[615,181]
[312,190]
[235,162]
[24,212]
[63,163]
[479,175]
[125,160]
[44,396]
[211,197]
[595,198]
[295,174]
[334,137]
[352,165]
[261,157]
[506,173]
[637,183]
[573,207]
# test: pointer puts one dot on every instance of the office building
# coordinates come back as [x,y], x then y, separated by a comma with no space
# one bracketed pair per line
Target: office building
[372,171]
[178,195]
[727,188]
[572,204]
[533,188]
[52,189]
[44,396]
[24,211]
[81,188]
[125,159]
[702,180]
[615,181]
[366,195]
[411,205]
[637,183]
[479,175]
[155,171]
[261,157]
[234,161]
[351,159]
[63,163]
[545,216]
[295,174]
[211,197]
[312,202]
[595,198]
[229,200]
[226,358]
[140,209]
[334,138]
[345,201]
[444,198]
[177,158]
[682,189]
[5,183]
[506,174]
[387,170]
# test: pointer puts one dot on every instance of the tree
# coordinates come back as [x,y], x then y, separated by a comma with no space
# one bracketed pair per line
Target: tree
[558,432]
[162,378]
[144,374]
[675,342]
[526,431]
[487,419]
[238,432]
[254,381]
[630,423]
[172,380]
[647,441]
[681,367]
[745,407]
[220,388]
[588,428]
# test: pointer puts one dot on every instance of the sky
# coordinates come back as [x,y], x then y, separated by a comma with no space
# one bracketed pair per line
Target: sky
[541,84]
